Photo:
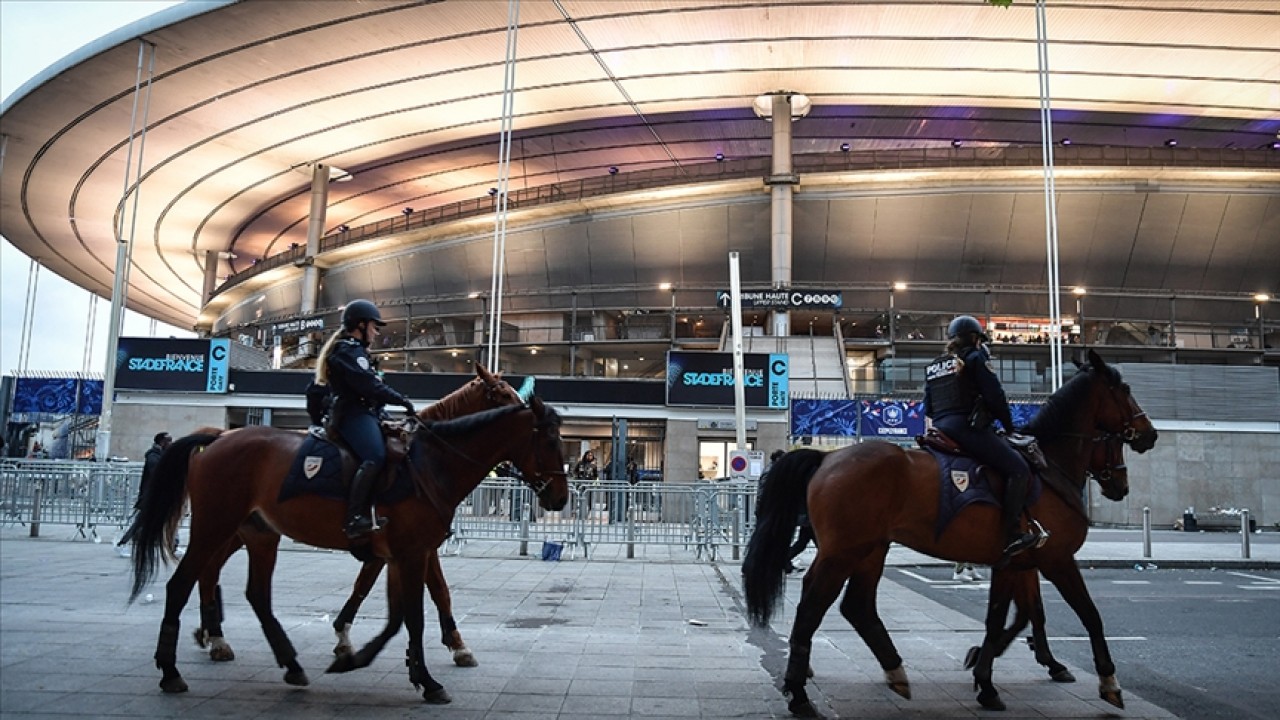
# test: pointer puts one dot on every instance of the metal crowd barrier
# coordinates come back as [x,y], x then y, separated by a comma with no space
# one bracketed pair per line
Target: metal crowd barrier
[83,495]
[708,520]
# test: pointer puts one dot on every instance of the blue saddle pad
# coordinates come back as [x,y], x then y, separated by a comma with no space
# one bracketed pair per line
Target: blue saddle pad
[961,481]
[317,470]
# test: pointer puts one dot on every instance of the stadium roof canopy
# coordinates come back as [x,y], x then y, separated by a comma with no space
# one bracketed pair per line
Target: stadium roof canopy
[407,97]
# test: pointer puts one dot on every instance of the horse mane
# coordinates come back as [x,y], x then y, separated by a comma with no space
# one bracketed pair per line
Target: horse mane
[469,423]
[1056,415]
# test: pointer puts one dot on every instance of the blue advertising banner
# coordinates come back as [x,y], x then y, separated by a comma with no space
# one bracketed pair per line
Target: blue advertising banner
[706,378]
[57,396]
[170,364]
[837,418]
[895,420]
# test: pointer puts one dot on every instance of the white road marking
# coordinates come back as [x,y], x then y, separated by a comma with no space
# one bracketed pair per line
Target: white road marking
[1258,578]
[922,578]
[1108,637]
[1259,587]
[1130,582]
[1202,582]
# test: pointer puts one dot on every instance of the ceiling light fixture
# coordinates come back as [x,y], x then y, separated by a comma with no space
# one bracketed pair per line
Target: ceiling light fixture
[1171,142]
[845,147]
[719,157]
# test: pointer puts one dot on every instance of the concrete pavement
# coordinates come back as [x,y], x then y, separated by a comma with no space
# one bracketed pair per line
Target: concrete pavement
[658,636]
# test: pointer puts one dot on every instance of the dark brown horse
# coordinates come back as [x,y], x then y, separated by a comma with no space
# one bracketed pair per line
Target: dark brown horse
[864,497]
[483,392]
[237,480]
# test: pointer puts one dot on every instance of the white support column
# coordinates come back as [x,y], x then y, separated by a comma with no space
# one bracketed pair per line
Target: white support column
[781,108]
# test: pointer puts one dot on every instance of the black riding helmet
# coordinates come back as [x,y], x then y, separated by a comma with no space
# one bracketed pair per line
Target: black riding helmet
[963,325]
[357,311]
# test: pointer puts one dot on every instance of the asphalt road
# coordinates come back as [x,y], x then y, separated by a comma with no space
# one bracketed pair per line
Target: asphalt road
[1203,644]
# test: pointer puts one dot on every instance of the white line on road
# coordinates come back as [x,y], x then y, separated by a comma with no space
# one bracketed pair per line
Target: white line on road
[921,578]
[1202,582]
[1259,587]
[1109,638]
[1259,578]
[1130,582]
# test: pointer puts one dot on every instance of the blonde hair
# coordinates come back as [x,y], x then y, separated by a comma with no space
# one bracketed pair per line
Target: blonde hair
[322,365]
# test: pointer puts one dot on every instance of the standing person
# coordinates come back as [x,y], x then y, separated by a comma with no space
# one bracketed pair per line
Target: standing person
[360,394]
[161,441]
[963,397]
[150,460]
[586,469]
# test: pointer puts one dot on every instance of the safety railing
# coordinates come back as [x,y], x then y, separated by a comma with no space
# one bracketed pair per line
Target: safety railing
[85,496]
[708,520]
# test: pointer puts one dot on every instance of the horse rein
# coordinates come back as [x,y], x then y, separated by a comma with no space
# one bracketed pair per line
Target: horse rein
[1110,444]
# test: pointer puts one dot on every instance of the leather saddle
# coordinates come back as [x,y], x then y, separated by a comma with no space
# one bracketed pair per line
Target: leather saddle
[1025,444]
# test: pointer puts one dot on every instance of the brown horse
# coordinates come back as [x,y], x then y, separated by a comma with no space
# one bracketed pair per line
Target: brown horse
[864,497]
[237,480]
[483,392]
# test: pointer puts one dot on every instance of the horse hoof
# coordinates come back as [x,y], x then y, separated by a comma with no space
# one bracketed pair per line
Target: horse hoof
[990,700]
[1114,697]
[898,682]
[1063,676]
[803,708]
[202,636]
[344,648]
[436,697]
[464,658]
[903,689]
[971,658]
[297,677]
[222,653]
[173,684]
[809,672]
[342,663]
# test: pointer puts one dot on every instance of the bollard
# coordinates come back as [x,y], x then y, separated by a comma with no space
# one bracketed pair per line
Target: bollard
[631,532]
[36,499]
[524,525]
[1146,533]
[1244,533]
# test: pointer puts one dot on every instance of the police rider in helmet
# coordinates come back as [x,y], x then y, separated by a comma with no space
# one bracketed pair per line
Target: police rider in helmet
[962,397]
[360,394]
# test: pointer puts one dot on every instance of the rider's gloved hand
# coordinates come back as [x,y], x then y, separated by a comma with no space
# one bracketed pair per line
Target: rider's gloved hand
[408,407]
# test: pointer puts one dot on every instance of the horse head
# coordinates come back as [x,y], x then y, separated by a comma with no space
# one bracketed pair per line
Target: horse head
[543,466]
[1119,421]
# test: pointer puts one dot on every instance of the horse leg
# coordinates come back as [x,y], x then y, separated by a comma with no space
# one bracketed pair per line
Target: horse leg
[395,618]
[262,547]
[859,608]
[209,634]
[1066,577]
[1022,602]
[411,584]
[449,635]
[1000,596]
[342,624]
[200,549]
[820,589]
[1029,595]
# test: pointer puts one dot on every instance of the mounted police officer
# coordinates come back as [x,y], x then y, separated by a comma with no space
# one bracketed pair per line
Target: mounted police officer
[359,396]
[962,397]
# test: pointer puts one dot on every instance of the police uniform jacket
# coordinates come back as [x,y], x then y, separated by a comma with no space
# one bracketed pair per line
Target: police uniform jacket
[353,380]
[957,384]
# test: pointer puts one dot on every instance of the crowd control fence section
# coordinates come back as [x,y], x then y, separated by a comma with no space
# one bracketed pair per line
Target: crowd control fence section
[709,520]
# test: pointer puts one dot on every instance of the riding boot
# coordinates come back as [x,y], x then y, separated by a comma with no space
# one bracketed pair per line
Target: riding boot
[1015,496]
[359,505]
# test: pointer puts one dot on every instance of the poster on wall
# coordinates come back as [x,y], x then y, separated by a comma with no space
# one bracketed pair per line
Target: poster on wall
[896,420]
[830,418]
[173,364]
[706,378]
[57,396]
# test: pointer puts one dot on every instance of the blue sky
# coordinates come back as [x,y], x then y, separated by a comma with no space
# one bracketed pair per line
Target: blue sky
[35,34]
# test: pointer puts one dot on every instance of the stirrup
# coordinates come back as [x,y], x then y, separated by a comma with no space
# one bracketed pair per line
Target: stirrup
[1040,532]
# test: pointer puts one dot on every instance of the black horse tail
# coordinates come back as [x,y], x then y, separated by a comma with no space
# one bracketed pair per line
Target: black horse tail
[782,499]
[160,509]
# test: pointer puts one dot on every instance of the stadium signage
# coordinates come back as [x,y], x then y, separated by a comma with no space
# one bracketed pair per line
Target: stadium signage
[172,364]
[701,378]
[785,299]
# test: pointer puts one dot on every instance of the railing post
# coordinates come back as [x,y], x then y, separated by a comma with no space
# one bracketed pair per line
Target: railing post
[1146,533]
[37,497]
[524,521]
[1244,533]
[631,529]
[737,524]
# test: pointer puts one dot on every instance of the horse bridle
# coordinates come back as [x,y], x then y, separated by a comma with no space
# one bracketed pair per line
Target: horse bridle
[1110,444]
[538,483]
